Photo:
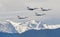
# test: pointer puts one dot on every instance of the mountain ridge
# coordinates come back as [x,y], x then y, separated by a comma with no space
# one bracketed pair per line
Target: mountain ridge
[14,27]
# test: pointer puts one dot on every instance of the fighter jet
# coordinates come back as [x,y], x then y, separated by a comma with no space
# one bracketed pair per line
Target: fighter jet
[22,17]
[31,8]
[45,9]
[40,14]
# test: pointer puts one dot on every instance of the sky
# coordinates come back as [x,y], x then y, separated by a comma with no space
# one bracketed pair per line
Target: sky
[9,9]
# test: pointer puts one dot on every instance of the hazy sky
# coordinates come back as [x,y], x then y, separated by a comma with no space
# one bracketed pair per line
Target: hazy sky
[14,7]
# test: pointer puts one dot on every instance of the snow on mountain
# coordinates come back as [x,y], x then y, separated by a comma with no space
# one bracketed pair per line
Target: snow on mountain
[7,27]
[13,27]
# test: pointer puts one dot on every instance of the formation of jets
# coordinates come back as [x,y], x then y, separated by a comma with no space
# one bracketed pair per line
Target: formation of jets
[37,14]
[42,9]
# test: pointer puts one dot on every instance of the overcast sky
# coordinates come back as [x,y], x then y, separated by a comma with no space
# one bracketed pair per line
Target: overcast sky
[11,7]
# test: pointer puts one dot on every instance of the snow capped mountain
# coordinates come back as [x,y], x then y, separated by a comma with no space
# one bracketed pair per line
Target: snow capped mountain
[7,27]
[13,27]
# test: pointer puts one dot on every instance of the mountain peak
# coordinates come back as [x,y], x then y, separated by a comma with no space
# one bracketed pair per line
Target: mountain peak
[14,27]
